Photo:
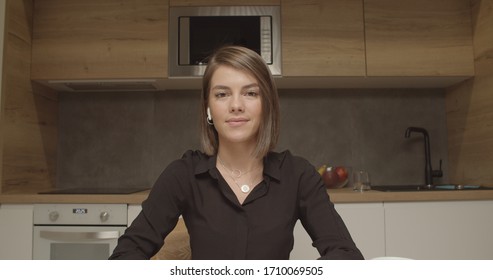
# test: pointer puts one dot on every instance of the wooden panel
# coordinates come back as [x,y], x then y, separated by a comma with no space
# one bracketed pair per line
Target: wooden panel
[418,38]
[223,2]
[75,39]
[323,38]
[482,12]
[469,109]
[29,113]
[2,35]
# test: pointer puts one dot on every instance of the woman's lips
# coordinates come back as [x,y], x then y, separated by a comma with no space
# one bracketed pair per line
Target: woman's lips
[236,121]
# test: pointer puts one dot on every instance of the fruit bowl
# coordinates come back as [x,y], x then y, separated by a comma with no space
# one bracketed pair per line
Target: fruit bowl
[334,177]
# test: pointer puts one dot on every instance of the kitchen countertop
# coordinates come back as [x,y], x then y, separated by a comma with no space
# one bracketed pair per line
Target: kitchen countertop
[34,197]
[349,196]
[336,195]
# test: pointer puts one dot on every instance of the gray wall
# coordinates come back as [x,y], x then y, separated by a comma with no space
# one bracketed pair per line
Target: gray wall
[126,139]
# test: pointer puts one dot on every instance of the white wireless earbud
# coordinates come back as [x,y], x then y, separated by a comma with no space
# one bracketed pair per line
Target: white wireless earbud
[209,117]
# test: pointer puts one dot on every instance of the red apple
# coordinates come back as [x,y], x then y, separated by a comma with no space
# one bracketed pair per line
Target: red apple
[342,173]
[330,177]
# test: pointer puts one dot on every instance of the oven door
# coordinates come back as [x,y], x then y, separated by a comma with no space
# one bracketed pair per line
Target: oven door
[75,242]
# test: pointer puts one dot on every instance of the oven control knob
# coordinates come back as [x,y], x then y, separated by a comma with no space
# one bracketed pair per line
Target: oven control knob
[104,216]
[53,216]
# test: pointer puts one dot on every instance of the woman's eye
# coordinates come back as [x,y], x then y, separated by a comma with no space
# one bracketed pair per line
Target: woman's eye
[220,94]
[251,93]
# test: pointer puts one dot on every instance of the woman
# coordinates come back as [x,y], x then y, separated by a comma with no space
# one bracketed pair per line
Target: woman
[238,198]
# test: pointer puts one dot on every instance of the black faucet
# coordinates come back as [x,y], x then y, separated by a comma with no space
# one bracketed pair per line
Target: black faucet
[429,172]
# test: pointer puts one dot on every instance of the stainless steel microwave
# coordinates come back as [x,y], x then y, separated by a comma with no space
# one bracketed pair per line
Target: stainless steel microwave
[195,32]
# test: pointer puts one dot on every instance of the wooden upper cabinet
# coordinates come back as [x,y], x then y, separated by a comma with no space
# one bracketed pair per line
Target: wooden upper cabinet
[94,39]
[418,38]
[323,38]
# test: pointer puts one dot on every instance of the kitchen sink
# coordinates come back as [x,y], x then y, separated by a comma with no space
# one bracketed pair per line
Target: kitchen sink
[422,188]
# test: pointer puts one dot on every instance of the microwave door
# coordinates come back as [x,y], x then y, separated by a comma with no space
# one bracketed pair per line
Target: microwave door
[201,35]
[184,41]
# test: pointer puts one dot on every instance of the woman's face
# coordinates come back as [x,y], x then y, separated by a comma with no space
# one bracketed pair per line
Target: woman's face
[235,105]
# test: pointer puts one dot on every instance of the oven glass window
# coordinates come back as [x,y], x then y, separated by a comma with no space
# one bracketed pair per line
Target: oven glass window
[79,251]
[211,32]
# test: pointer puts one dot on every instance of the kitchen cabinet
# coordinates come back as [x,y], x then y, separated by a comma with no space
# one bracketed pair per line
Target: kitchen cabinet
[99,39]
[322,38]
[365,222]
[336,43]
[133,212]
[439,230]
[418,38]
[302,248]
[377,38]
[415,230]
[222,2]
[16,231]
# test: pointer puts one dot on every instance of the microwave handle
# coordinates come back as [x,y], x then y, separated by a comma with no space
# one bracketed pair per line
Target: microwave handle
[79,236]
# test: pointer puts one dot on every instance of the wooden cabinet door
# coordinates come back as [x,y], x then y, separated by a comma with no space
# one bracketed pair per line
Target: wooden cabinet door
[322,38]
[418,38]
[95,39]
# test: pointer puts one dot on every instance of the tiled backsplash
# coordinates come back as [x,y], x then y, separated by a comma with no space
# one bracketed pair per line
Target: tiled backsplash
[127,139]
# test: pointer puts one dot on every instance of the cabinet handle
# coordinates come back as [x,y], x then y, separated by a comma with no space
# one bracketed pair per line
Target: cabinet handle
[77,236]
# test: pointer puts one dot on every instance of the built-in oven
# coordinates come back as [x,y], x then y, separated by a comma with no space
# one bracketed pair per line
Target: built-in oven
[77,231]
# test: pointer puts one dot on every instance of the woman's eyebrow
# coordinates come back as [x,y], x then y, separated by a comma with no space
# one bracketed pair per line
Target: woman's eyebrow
[220,87]
[243,87]
[251,85]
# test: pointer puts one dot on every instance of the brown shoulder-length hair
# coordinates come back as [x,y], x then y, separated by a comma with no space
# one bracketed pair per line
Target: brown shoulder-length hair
[246,60]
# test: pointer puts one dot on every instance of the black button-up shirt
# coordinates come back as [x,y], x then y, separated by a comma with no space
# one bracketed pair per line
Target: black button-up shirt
[222,228]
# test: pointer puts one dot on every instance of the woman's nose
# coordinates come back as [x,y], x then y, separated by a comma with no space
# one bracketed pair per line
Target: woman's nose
[236,103]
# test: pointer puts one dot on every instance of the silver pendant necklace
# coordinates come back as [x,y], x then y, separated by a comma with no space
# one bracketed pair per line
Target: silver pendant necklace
[245,188]
[236,174]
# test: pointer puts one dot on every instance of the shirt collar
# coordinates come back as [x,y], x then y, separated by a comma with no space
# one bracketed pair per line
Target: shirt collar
[272,165]
[205,163]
